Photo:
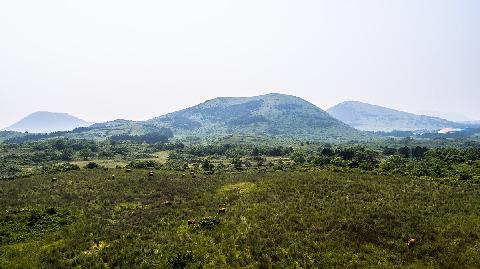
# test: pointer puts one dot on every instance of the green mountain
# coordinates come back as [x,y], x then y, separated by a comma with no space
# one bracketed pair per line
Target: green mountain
[273,114]
[369,117]
[47,122]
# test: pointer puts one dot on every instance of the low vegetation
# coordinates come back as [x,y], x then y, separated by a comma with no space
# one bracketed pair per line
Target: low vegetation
[315,219]
[133,204]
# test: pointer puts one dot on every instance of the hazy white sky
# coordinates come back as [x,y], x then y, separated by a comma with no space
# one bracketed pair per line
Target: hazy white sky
[101,60]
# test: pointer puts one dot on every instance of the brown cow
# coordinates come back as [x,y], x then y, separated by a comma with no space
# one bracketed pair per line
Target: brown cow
[167,203]
[411,242]
[222,210]
[190,222]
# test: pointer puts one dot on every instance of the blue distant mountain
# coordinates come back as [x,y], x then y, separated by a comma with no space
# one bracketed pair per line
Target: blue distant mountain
[367,117]
[47,122]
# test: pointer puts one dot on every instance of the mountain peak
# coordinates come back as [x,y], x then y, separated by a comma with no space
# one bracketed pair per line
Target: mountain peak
[47,122]
[270,114]
[368,117]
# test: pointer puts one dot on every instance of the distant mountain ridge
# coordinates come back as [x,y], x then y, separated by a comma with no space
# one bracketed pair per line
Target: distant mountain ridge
[271,114]
[47,122]
[367,117]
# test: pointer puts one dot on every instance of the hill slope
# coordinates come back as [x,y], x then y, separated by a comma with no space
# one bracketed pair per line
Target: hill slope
[369,117]
[47,122]
[272,114]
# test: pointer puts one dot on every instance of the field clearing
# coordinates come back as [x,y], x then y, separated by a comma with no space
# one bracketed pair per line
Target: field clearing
[102,163]
[160,157]
[292,219]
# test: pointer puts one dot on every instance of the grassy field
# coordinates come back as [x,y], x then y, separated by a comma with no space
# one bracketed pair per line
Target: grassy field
[296,219]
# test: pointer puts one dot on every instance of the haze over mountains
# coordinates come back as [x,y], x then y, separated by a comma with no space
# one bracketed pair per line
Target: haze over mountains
[47,122]
[367,117]
[272,114]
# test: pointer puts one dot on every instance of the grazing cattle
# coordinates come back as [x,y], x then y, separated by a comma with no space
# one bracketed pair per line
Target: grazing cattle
[411,242]
[129,170]
[167,203]
[113,176]
[191,222]
[150,174]
[222,210]
[54,179]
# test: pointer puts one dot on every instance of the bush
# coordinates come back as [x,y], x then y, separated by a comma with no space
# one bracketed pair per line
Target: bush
[9,171]
[393,164]
[91,165]
[298,157]
[62,167]
[208,223]
[465,176]
[320,160]
[143,164]
[180,260]
[207,166]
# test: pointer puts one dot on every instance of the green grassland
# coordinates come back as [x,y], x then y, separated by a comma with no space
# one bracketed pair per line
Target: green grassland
[296,218]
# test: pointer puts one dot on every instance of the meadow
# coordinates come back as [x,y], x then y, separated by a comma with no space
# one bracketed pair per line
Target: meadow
[291,218]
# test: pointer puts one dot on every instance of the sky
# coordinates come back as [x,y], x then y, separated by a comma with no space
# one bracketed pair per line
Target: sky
[106,59]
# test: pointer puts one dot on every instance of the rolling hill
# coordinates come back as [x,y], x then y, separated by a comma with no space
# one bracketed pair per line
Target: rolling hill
[47,122]
[367,117]
[272,114]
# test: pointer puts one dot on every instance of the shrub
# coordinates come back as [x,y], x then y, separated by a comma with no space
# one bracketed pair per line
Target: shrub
[91,165]
[62,167]
[9,171]
[180,259]
[321,160]
[465,176]
[208,223]
[143,164]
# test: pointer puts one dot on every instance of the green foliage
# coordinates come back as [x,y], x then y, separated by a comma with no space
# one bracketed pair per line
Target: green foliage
[301,204]
[311,219]
[393,165]
[160,136]
[298,157]
[26,224]
[180,259]
[147,164]
[62,167]
[207,166]
[208,223]
[91,165]
[9,170]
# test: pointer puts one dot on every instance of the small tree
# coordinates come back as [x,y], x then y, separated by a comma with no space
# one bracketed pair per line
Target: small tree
[207,166]
[91,165]
[404,152]
[85,154]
